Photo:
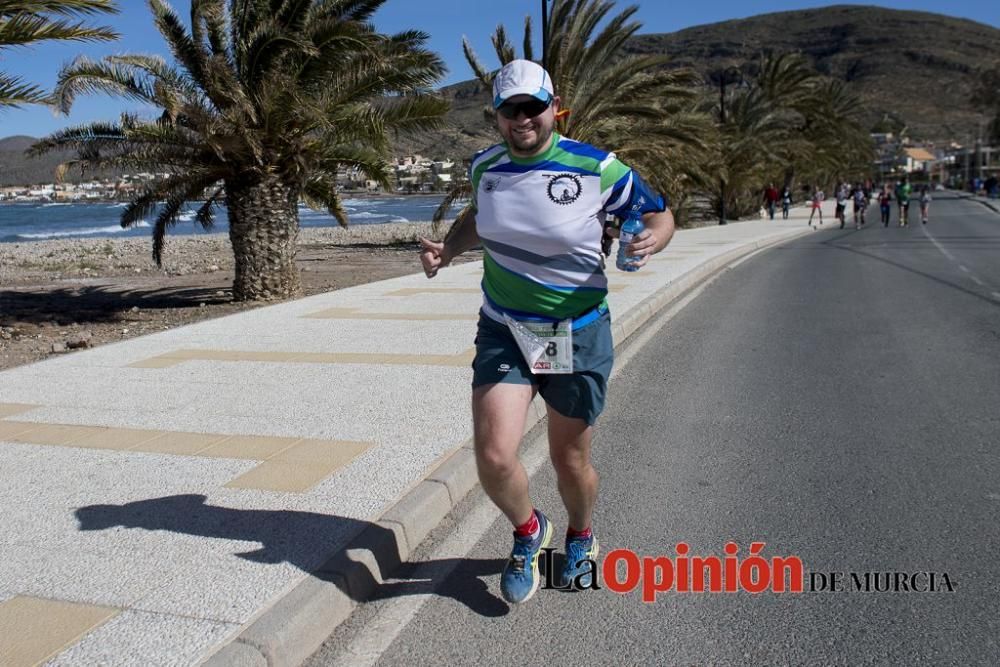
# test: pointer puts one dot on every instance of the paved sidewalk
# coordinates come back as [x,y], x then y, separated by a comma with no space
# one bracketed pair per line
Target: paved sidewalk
[227,491]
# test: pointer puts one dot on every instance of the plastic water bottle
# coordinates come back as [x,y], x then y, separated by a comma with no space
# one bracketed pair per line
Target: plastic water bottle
[631,228]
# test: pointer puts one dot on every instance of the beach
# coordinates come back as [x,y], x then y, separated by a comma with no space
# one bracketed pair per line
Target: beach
[61,295]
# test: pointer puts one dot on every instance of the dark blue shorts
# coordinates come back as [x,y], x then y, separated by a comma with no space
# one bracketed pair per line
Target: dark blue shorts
[579,395]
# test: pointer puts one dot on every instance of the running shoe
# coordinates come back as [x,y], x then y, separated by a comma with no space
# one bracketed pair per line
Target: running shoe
[520,577]
[578,551]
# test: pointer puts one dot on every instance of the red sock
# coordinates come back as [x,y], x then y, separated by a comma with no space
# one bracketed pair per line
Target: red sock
[584,534]
[529,528]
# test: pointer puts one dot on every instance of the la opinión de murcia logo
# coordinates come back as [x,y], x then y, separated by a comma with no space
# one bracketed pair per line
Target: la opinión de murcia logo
[623,571]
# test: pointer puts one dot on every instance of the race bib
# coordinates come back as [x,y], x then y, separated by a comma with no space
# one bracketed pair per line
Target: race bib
[546,346]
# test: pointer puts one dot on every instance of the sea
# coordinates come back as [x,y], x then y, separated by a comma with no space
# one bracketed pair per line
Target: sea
[26,222]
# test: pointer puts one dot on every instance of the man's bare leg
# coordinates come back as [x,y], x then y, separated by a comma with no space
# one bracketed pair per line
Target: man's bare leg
[498,416]
[569,448]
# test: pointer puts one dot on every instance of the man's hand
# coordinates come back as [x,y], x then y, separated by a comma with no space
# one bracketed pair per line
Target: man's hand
[657,234]
[433,257]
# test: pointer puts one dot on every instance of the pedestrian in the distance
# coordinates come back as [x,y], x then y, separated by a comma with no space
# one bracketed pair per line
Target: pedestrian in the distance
[771,199]
[817,204]
[925,203]
[786,202]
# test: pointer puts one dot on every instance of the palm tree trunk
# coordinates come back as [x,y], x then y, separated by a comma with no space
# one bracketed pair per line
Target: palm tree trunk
[264,231]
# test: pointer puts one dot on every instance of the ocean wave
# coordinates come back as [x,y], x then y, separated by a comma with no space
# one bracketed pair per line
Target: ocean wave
[187,217]
[110,229]
[56,203]
[367,215]
[367,203]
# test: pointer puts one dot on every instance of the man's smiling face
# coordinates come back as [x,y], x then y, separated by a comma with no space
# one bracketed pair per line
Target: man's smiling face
[527,135]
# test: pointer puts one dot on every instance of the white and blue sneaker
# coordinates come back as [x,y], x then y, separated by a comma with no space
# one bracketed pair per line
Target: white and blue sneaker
[578,552]
[520,577]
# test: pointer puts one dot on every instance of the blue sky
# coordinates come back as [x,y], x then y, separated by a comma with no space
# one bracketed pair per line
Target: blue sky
[446,21]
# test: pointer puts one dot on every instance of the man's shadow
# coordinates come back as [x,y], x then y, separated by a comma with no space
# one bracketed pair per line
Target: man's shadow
[304,539]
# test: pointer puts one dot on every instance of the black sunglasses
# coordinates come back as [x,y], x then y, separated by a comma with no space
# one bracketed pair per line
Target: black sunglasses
[530,108]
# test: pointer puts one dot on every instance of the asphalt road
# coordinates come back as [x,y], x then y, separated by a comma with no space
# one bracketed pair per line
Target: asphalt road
[837,398]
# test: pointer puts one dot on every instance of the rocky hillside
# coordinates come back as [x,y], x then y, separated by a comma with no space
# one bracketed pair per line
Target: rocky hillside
[914,67]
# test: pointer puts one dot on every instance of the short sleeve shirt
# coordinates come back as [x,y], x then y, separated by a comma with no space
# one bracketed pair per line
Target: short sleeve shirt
[541,221]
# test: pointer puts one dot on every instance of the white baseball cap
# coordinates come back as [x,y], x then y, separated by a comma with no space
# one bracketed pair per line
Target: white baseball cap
[521,77]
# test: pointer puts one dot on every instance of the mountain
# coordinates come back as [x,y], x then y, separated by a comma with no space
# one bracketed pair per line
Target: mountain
[18,169]
[917,68]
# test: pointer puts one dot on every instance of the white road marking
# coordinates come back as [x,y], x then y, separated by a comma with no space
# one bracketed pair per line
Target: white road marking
[963,267]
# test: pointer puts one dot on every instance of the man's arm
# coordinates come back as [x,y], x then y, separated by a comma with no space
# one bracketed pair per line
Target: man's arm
[461,237]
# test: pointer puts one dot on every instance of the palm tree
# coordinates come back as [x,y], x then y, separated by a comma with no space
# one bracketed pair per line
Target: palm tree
[631,104]
[265,103]
[789,122]
[24,22]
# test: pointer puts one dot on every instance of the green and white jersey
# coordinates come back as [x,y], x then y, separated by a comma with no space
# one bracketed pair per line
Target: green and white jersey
[541,221]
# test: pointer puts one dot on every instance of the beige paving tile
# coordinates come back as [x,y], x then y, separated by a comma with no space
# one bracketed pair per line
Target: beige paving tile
[11,409]
[353,314]
[265,356]
[156,362]
[33,630]
[8,430]
[461,359]
[185,444]
[413,291]
[56,434]
[285,477]
[253,447]
[329,453]
[116,438]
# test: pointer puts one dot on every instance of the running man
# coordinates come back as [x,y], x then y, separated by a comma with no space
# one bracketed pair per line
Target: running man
[817,204]
[885,204]
[860,204]
[539,202]
[903,191]
[841,199]
[925,203]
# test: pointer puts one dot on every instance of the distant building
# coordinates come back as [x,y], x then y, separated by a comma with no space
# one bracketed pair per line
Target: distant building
[918,159]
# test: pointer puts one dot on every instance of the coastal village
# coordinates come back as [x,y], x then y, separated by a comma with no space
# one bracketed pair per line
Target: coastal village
[952,165]
[413,174]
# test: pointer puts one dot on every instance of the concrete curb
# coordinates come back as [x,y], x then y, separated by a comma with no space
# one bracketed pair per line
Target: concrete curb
[980,200]
[291,630]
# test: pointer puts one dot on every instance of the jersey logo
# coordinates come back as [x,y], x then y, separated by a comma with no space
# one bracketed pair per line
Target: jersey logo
[565,188]
[490,184]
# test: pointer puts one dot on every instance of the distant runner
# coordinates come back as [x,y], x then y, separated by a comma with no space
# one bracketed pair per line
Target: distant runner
[817,203]
[925,203]
[841,209]
[885,204]
[903,191]
[860,205]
